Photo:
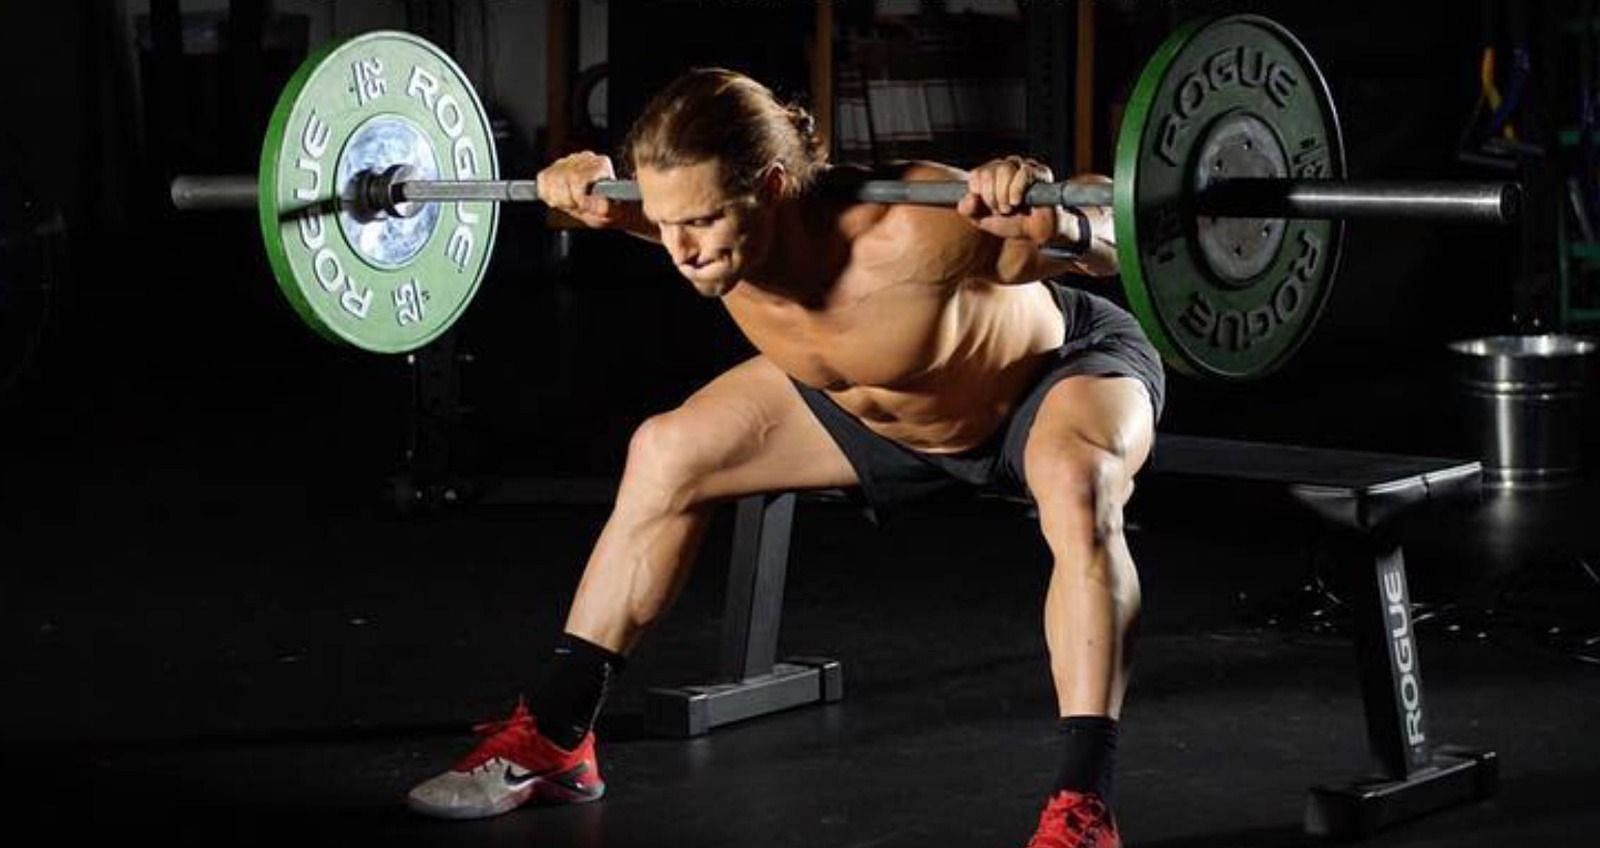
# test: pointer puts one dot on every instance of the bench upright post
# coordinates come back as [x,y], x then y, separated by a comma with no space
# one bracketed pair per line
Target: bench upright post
[750,681]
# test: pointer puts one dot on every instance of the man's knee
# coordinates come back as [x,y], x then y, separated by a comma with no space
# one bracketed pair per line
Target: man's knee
[1080,490]
[670,456]
[661,458]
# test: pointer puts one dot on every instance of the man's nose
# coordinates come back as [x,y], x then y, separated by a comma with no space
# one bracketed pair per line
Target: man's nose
[684,248]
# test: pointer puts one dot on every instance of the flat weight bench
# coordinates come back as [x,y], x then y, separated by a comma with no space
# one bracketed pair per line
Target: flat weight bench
[1360,499]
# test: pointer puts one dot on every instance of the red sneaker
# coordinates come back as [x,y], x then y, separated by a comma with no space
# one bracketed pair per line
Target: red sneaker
[512,765]
[1076,820]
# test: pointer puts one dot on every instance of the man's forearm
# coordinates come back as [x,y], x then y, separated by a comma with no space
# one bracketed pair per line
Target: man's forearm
[1084,244]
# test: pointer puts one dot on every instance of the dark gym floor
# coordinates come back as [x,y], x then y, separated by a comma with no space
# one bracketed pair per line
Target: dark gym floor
[208,642]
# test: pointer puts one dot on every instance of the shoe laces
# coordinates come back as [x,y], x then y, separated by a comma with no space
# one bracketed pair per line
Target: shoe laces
[501,738]
[1075,820]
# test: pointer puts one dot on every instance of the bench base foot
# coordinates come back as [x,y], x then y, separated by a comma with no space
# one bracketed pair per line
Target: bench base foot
[693,710]
[1456,776]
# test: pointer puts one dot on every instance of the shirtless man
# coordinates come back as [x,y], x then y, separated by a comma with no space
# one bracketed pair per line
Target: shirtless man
[902,349]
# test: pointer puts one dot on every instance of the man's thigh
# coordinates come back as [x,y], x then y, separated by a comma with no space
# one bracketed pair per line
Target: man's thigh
[748,431]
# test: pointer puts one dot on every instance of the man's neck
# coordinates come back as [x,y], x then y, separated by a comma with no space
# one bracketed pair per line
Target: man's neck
[807,253]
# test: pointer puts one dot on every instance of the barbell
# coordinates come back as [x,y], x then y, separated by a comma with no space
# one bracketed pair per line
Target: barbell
[378,194]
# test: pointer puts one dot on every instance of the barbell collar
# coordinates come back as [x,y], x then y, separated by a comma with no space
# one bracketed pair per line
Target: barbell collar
[1466,202]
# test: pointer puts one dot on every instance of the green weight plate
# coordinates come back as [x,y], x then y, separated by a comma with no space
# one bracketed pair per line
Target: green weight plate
[1218,74]
[379,99]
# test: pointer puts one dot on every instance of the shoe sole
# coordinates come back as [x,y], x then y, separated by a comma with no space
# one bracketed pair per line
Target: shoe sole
[543,791]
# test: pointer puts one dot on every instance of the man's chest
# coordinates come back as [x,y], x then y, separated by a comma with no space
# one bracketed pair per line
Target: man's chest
[881,333]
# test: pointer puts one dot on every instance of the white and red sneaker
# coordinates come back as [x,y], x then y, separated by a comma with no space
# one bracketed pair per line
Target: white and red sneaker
[512,765]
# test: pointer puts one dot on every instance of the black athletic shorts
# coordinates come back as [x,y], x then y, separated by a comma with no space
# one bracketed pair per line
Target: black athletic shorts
[1101,340]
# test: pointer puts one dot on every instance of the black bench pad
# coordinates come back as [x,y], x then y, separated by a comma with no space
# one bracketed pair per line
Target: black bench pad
[1359,490]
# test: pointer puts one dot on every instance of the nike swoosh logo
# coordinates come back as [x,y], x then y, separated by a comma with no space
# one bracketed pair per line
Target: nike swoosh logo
[516,780]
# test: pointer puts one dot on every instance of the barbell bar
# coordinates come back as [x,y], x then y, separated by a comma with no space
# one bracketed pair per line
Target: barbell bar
[1476,202]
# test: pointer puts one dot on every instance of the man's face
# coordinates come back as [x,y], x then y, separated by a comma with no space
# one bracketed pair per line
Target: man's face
[714,239]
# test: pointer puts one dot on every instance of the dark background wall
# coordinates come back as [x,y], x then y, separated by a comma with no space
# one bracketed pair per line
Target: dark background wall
[166,348]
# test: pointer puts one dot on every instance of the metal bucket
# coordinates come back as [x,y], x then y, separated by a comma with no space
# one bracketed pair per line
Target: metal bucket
[1525,404]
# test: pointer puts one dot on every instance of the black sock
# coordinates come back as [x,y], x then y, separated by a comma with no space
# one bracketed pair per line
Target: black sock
[572,688]
[1089,755]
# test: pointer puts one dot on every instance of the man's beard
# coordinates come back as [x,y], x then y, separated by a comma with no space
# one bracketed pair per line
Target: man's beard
[714,289]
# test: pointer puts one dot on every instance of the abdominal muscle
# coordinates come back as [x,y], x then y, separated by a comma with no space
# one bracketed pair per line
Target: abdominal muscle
[937,368]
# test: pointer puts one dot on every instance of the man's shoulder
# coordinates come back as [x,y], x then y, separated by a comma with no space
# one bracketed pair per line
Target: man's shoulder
[841,178]
[885,231]
[923,170]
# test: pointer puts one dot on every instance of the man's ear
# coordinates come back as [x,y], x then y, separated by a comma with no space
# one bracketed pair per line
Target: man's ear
[773,182]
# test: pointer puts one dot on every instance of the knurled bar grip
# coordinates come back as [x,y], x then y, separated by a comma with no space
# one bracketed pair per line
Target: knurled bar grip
[242,192]
[497,191]
[1250,198]
[870,191]
[950,193]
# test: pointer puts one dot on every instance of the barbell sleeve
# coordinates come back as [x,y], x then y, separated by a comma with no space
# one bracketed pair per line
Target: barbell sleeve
[1481,202]
[224,192]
